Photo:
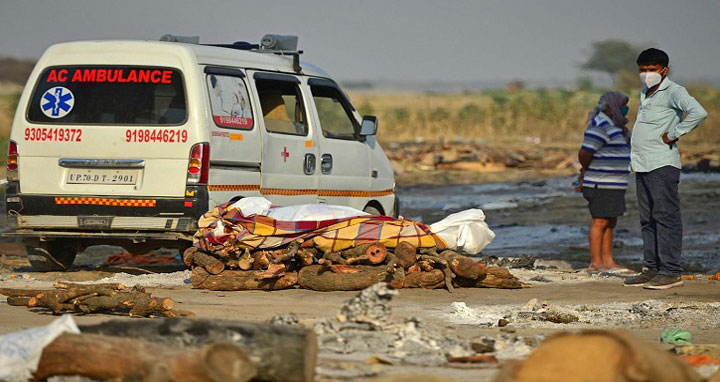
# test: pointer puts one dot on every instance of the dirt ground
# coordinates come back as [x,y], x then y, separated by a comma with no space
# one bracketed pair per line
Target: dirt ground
[697,300]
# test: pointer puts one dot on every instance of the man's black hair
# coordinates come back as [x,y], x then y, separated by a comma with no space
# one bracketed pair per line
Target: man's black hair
[653,56]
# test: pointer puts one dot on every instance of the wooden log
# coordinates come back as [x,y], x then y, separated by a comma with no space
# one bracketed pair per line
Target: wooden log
[246,261]
[260,259]
[372,253]
[496,277]
[286,254]
[105,357]
[93,287]
[274,271]
[145,306]
[306,256]
[240,280]
[319,278]
[333,258]
[280,353]
[405,254]
[18,300]
[211,264]
[433,279]
[188,256]
[18,292]
[463,266]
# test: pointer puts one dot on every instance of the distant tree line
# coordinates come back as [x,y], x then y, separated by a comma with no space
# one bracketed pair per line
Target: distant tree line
[15,70]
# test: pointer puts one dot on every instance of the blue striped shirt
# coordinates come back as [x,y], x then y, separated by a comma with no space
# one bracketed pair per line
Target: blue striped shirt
[610,166]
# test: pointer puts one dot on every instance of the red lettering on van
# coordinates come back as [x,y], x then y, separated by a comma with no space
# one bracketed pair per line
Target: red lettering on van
[167,77]
[77,76]
[100,77]
[62,75]
[155,76]
[143,76]
[89,75]
[52,76]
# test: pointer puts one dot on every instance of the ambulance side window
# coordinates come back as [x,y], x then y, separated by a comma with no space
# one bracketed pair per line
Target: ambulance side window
[229,102]
[282,107]
[336,119]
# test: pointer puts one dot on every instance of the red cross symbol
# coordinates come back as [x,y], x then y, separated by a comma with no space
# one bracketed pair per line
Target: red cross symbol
[285,154]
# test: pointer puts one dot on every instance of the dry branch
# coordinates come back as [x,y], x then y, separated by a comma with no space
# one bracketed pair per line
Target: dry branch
[240,280]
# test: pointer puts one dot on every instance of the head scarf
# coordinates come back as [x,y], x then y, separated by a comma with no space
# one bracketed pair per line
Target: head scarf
[613,101]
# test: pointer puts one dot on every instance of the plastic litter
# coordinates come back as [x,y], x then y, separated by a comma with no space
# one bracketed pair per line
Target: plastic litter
[675,337]
[20,351]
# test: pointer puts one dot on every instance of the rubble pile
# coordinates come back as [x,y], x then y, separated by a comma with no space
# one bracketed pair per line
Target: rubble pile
[235,252]
[364,327]
[94,298]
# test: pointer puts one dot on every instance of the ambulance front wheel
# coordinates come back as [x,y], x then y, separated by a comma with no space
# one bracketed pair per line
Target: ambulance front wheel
[52,256]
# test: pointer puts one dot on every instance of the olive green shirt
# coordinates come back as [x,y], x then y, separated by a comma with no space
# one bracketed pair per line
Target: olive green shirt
[661,113]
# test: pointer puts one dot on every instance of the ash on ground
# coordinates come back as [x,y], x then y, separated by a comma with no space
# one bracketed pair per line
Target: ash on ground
[642,314]
[364,328]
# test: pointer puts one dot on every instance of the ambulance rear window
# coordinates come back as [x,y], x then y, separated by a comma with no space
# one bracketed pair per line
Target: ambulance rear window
[109,95]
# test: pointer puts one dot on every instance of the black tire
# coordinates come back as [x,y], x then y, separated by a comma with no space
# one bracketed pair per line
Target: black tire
[52,256]
[372,210]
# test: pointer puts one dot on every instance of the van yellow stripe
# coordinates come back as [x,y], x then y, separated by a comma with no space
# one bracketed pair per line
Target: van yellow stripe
[234,187]
[107,202]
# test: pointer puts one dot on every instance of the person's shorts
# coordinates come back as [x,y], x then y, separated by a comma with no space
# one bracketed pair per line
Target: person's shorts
[604,203]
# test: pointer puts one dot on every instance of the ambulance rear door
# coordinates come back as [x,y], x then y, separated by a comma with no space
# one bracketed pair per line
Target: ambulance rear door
[235,139]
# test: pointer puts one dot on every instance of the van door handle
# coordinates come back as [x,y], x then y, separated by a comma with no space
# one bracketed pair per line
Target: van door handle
[309,164]
[326,164]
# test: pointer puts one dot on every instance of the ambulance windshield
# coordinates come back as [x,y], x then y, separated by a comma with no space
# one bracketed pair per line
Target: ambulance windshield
[109,95]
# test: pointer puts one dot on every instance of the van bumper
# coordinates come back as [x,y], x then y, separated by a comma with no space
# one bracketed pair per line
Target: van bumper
[93,213]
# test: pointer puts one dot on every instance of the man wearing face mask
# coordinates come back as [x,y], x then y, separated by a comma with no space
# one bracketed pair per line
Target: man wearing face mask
[656,162]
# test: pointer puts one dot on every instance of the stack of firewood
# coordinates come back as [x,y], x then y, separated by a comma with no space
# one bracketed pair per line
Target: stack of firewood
[301,263]
[94,298]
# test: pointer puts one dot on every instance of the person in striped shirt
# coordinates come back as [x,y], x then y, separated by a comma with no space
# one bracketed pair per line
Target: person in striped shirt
[605,160]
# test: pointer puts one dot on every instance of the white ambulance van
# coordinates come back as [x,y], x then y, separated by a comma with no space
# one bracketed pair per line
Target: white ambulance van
[129,142]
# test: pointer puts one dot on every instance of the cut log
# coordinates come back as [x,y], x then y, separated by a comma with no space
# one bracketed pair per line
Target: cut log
[260,260]
[286,254]
[274,271]
[246,261]
[188,256]
[211,264]
[240,280]
[306,256]
[496,277]
[17,292]
[18,300]
[405,254]
[433,279]
[280,353]
[463,266]
[372,253]
[92,287]
[105,357]
[319,278]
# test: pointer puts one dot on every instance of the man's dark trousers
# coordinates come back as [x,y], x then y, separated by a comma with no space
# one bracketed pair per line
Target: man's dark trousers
[659,203]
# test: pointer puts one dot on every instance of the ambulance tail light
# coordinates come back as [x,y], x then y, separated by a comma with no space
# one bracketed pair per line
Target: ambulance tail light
[199,164]
[12,160]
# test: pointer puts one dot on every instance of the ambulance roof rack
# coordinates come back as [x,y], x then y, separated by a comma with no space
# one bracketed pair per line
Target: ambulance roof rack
[284,45]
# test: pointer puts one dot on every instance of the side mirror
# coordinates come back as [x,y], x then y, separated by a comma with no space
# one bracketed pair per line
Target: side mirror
[369,126]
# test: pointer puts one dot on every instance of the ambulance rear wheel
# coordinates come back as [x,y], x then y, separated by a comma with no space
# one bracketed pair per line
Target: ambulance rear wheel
[52,256]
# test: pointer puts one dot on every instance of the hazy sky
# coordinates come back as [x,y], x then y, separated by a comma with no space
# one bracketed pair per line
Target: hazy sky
[406,40]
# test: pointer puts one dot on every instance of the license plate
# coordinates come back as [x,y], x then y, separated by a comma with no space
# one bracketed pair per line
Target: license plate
[94,221]
[102,176]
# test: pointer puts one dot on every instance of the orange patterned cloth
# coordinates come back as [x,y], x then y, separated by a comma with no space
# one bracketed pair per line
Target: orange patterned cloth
[224,230]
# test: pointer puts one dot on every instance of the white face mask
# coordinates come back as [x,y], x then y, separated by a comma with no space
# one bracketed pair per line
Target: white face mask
[650,79]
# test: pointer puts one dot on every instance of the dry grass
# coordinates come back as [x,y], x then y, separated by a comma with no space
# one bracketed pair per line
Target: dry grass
[556,116]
